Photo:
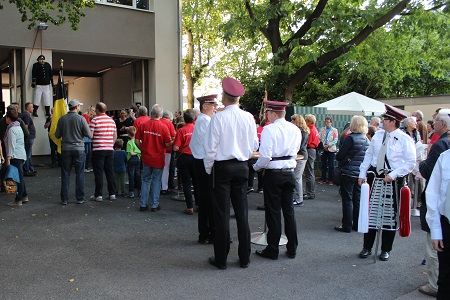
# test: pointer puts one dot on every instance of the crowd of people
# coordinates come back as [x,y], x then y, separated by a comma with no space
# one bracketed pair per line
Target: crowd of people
[216,155]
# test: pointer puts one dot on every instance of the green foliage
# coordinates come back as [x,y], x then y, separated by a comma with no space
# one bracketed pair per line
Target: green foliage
[51,11]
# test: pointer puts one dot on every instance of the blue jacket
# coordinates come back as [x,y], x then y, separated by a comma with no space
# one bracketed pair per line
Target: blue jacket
[351,154]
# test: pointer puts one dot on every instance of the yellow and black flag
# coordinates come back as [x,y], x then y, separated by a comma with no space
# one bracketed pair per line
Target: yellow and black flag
[59,107]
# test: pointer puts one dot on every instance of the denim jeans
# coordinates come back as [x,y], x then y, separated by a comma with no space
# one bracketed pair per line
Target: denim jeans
[102,161]
[298,174]
[21,188]
[28,166]
[88,153]
[71,158]
[151,184]
[134,173]
[328,162]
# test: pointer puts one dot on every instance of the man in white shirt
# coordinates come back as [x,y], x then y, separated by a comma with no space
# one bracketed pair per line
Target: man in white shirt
[229,143]
[208,105]
[280,142]
[438,215]
[399,158]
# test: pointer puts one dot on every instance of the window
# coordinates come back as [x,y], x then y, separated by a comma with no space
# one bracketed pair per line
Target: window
[136,4]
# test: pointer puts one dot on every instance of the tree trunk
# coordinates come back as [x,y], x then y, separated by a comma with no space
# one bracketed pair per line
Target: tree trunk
[188,70]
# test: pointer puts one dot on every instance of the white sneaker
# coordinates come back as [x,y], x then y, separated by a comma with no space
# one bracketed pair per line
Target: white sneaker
[112,197]
[86,171]
[98,199]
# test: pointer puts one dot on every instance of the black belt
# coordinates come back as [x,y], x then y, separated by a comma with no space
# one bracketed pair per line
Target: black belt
[444,219]
[282,158]
[279,170]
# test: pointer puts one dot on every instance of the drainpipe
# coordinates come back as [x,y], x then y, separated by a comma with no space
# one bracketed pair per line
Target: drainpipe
[180,53]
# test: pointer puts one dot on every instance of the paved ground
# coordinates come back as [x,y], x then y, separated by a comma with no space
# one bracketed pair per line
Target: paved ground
[111,250]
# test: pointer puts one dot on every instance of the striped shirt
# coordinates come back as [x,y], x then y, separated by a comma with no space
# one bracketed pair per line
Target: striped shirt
[104,132]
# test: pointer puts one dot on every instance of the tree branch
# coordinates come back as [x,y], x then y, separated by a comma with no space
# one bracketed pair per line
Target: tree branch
[250,14]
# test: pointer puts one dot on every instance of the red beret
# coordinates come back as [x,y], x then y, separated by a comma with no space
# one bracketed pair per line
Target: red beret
[208,99]
[275,105]
[394,113]
[232,87]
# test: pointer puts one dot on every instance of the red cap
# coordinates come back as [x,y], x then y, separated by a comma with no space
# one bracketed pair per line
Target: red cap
[275,105]
[232,87]
[208,99]
[394,113]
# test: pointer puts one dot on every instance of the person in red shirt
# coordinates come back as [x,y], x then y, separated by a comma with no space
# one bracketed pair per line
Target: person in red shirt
[185,160]
[167,120]
[152,138]
[143,112]
[311,147]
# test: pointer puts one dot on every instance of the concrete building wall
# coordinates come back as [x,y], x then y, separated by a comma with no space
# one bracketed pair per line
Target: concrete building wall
[86,90]
[427,105]
[116,94]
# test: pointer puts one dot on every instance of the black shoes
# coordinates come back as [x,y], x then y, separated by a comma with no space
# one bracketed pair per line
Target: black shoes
[308,197]
[143,208]
[384,256]
[154,209]
[212,262]
[261,207]
[290,255]
[244,265]
[265,254]
[249,190]
[342,229]
[365,253]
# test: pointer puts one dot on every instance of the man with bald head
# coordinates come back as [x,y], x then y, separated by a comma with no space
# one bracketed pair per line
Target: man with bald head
[103,135]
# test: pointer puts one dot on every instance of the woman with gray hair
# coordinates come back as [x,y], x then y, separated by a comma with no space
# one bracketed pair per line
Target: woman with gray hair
[410,128]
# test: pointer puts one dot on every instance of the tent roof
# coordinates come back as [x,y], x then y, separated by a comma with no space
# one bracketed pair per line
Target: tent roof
[354,103]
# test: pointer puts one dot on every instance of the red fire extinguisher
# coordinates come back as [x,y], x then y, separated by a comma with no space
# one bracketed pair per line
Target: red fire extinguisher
[405,212]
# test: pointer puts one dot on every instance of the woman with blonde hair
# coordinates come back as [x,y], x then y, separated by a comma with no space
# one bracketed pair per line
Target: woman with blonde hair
[300,167]
[350,157]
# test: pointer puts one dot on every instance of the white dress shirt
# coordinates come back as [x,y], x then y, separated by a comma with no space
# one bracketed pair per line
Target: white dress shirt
[400,153]
[198,136]
[231,135]
[437,195]
[278,139]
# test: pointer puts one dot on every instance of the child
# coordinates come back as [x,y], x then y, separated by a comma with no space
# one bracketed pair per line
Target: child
[134,164]
[120,167]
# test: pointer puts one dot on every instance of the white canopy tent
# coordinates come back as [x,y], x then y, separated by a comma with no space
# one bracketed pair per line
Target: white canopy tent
[354,104]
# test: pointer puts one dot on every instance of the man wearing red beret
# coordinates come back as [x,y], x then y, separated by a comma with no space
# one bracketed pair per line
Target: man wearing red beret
[229,143]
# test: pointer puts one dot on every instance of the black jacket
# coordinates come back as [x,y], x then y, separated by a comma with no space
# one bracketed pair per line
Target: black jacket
[351,154]
[426,168]
[42,74]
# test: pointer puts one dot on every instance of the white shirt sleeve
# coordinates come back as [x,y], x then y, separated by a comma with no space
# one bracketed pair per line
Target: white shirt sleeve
[433,216]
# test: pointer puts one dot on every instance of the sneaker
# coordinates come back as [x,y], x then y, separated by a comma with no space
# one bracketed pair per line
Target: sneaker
[259,191]
[297,203]
[15,203]
[25,200]
[81,201]
[321,182]
[112,197]
[428,290]
[330,183]
[86,171]
[64,202]
[98,199]
[155,209]
[308,197]
[249,190]
[130,195]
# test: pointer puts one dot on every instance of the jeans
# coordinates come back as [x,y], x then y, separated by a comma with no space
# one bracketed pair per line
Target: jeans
[102,161]
[185,165]
[72,158]
[119,182]
[151,184]
[28,166]
[328,162]
[310,177]
[351,194]
[298,174]
[134,173]
[21,188]
[88,153]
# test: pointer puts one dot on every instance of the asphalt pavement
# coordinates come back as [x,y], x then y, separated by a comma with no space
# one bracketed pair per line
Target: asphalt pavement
[111,250]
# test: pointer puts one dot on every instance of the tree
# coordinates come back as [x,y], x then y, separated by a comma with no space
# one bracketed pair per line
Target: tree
[54,11]
[305,36]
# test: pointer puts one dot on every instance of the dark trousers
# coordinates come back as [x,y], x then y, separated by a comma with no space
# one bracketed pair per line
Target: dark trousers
[230,182]
[278,194]
[21,188]
[444,263]
[102,161]
[205,210]
[327,163]
[185,165]
[54,155]
[170,182]
[387,236]
[251,175]
[351,194]
[134,174]
[72,158]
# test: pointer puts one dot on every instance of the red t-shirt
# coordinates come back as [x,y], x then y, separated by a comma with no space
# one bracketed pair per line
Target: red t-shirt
[139,121]
[259,131]
[183,138]
[153,134]
[313,138]
[171,131]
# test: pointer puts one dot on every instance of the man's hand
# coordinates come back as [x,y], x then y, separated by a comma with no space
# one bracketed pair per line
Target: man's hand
[438,245]
[361,181]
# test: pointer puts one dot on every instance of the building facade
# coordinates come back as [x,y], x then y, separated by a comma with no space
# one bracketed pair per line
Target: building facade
[124,52]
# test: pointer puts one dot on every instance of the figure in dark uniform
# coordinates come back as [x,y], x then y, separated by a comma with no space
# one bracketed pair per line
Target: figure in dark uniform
[42,80]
